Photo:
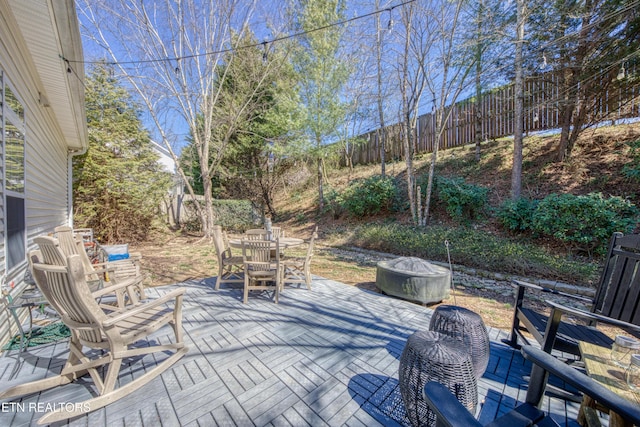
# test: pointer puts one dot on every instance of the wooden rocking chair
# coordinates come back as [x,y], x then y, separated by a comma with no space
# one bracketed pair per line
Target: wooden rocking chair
[112,332]
[101,274]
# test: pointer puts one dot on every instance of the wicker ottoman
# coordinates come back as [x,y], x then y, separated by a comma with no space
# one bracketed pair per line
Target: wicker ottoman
[466,326]
[432,356]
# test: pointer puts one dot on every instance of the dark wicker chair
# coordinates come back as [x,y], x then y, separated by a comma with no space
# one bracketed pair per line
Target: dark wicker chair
[450,413]
[617,303]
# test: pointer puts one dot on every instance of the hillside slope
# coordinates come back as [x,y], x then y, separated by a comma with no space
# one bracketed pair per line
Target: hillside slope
[595,166]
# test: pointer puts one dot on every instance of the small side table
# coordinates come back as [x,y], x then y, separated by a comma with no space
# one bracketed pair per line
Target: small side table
[28,299]
[432,356]
[598,364]
[466,326]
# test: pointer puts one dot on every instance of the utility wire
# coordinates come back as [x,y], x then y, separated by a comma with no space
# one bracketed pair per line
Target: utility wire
[263,43]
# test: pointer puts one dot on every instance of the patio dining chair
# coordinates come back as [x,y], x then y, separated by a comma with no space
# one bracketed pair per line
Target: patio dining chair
[616,303]
[298,269]
[277,232]
[262,269]
[230,268]
[449,412]
[255,234]
[112,333]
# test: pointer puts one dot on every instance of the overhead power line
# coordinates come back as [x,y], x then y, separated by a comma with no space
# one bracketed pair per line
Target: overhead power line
[248,46]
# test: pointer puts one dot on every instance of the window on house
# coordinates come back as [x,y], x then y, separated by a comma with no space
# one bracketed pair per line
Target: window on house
[13,166]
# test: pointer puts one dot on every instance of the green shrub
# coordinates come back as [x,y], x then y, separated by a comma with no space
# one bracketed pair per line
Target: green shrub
[462,200]
[473,248]
[632,169]
[237,215]
[332,202]
[517,215]
[584,222]
[370,196]
[234,214]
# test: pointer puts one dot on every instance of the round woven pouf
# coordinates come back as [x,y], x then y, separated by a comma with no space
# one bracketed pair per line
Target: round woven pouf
[432,356]
[466,326]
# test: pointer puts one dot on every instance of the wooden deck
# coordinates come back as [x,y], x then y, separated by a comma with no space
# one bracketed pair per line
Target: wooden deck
[326,357]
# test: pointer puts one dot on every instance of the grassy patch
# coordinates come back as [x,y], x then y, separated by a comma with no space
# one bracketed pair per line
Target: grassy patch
[473,248]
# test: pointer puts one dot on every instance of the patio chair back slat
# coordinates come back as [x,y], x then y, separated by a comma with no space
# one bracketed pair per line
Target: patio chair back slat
[255,234]
[619,294]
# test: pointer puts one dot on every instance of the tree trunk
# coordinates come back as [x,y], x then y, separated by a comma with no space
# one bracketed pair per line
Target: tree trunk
[574,114]
[408,157]
[406,122]
[320,186]
[566,113]
[516,172]
[381,133]
[478,82]
[432,172]
[579,120]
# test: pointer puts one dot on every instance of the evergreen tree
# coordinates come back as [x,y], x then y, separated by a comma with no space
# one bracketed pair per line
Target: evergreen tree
[118,183]
[257,112]
[589,45]
[322,75]
[263,147]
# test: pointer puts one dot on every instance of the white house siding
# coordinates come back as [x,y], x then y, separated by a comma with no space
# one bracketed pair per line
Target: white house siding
[46,147]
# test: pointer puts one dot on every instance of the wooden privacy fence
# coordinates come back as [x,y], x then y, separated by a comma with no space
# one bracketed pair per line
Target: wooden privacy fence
[542,98]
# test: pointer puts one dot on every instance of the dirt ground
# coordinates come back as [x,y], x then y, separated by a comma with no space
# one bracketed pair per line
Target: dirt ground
[173,258]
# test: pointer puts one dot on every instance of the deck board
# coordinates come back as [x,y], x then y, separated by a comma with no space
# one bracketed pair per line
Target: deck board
[328,356]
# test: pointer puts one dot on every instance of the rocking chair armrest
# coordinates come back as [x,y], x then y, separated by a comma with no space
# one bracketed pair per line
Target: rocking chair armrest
[592,316]
[449,411]
[628,410]
[521,284]
[103,267]
[119,316]
[113,265]
[109,289]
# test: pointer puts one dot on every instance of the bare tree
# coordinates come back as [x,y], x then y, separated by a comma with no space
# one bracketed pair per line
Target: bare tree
[169,52]
[489,40]
[446,65]
[518,128]
[381,133]
[411,86]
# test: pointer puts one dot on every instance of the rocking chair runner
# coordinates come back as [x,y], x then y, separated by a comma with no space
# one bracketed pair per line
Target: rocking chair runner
[112,332]
[617,303]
